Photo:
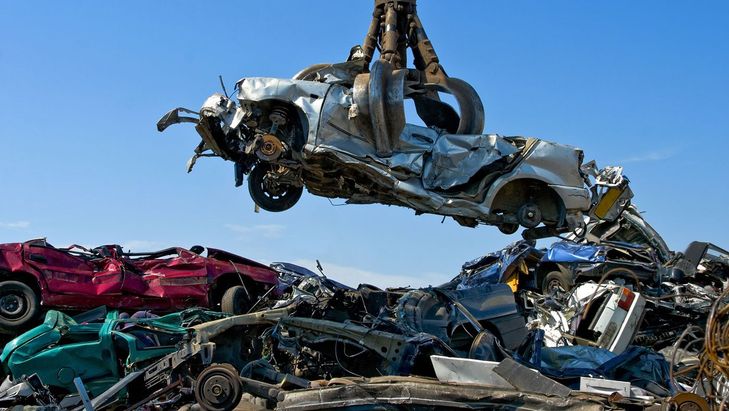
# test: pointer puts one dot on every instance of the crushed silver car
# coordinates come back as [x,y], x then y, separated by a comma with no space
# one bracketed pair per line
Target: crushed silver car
[289,134]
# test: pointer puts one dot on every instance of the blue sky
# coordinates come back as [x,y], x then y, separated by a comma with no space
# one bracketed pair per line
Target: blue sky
[639,84]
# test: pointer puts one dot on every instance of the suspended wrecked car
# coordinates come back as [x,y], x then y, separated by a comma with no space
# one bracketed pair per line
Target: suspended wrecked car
[345,136]
[77,278]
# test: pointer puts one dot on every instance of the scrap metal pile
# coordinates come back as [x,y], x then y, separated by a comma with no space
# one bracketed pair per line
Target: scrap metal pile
[606,318]
[579,325]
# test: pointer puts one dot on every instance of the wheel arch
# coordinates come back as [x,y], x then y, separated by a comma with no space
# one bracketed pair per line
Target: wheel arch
[545,268]
[26,278]
[511,194]
[226,280]
[301,119]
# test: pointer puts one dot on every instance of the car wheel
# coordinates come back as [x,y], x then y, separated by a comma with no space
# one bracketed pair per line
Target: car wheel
[218,388]
[269,194]
[18,305]
[627,275]
[556,280]
[235,301]
[529,215]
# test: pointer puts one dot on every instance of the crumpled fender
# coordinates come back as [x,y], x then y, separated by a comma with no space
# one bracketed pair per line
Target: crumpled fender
[173,117]
[11,257]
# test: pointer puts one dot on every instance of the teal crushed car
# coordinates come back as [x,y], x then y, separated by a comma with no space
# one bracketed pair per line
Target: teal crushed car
[98,346]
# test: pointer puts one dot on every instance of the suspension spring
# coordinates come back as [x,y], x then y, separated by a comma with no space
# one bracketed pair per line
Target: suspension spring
[279,116]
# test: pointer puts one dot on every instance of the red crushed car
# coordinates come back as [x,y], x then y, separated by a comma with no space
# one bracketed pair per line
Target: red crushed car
[35,273]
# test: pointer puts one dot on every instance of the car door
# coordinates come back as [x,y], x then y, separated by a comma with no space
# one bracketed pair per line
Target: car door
[62,272]
[182,279]
[73,280]
[172,278]
[135,289]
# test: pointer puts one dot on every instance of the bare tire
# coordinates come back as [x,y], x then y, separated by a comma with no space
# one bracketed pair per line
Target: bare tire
[218,388]
[269,195]
[556,280]
[235,301]
[18,305]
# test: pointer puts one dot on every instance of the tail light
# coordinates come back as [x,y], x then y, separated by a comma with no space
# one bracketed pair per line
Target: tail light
[626,299]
